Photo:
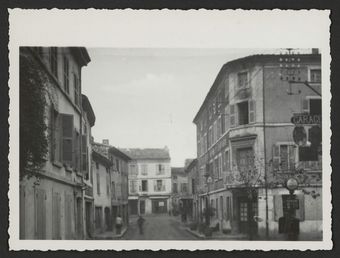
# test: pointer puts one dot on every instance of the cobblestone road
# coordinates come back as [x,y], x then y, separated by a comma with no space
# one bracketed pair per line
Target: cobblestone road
[158,227]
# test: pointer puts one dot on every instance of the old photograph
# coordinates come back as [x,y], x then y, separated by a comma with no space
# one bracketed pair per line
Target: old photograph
[217,144]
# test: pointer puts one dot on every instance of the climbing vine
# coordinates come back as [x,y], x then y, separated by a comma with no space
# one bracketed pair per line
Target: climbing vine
[33,136]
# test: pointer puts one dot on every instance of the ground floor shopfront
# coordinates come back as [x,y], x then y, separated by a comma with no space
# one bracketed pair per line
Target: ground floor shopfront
[149,205]
[237,212]
[51,209]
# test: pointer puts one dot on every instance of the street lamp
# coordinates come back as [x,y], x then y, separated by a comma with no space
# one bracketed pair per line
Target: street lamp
[292,229]
[207,209]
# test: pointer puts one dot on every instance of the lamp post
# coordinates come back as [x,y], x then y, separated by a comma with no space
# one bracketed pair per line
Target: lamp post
[292,228]
[207,209]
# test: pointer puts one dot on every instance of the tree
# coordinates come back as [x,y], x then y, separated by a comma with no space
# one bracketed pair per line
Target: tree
[33,136]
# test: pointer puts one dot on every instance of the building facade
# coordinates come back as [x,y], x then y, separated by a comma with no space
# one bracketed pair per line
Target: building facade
[52,200]
[149,181]
[193,181]
[118,180]
[246,150]
[181,202]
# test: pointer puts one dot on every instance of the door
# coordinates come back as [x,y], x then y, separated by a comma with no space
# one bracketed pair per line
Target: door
[89,218]
[56,215]
[114,215]
[247,211]
[142,206]
[159,206]
[133,206]
[107,218]
[79,218]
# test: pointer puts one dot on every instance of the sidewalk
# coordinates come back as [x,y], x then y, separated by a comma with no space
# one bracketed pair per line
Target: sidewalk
[110,235]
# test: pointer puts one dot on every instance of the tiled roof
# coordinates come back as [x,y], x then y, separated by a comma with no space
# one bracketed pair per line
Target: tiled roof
[147,153]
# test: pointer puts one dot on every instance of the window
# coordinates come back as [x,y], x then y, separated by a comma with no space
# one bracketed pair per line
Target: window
[243,115]
[54,61]
[133,186]
[118,165]
[98,182]
[227,160]
[174,188]
[107,181]
[311,105]
[159,186]
[214,132]
[219,127]
[76,89]
[284,157]
[55,135]
[219,166]
[245,159]
[184,187]
[113,190]
[216,168]
[210,137]
[160,169]
[193,186]
[66,75]
[133,169]
[144,185]
[242,79]
[315,75]
[226,118]
[144,168]
[84,155]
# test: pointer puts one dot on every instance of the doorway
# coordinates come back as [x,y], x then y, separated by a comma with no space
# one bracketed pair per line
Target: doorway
[107,218]
[247,211]
[142,206]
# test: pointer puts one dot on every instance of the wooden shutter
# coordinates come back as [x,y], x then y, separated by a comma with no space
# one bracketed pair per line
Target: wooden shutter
[52,133]
[251,106]
[84,156]
[276,157]
[232,115]
[22,211]
[56,216]
[76,153]
[277,209]
[68,215]
[292,155]
[300,213]
[67,136]
[305,105]
[40,215]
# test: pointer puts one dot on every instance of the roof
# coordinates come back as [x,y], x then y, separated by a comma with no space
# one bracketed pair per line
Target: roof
[118,153]
[150,153]
[247,60]
[96,156]
[191,165]
[88,109]
[81,54]
[177,170]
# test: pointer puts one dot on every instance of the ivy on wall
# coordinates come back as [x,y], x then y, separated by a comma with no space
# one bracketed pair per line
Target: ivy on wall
[33,129]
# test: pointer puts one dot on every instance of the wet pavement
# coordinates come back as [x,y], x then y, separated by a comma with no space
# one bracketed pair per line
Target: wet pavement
[158,227]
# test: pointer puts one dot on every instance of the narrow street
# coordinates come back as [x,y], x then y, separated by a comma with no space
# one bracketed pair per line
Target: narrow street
[158,227]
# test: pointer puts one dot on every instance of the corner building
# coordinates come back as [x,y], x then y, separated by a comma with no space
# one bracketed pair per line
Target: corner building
[245,144]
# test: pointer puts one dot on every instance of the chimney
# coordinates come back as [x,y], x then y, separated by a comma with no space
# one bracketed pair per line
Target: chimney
[315,51]
[106,141]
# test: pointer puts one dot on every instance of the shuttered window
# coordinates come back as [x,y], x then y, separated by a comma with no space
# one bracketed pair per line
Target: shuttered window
[55,135]
[232,116]
[76,154]
[84,156]
[66,74]
[56,215]
[251,105]
[67,139]
[76,89]
[40,214]
[284,157]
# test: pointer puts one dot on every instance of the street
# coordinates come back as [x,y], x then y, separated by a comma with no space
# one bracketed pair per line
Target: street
[158,227]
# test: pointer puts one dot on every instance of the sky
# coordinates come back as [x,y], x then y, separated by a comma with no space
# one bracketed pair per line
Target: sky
[148,98]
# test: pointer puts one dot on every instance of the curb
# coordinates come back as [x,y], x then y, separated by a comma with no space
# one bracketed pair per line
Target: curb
[195,234]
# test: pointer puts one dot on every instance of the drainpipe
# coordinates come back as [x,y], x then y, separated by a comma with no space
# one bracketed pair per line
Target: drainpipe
[265,152]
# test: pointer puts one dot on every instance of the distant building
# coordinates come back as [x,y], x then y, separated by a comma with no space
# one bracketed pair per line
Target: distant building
[149,181]
[118,180]
[102,193]
[191,171]
[244,132]
[180,191]
[52,201]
